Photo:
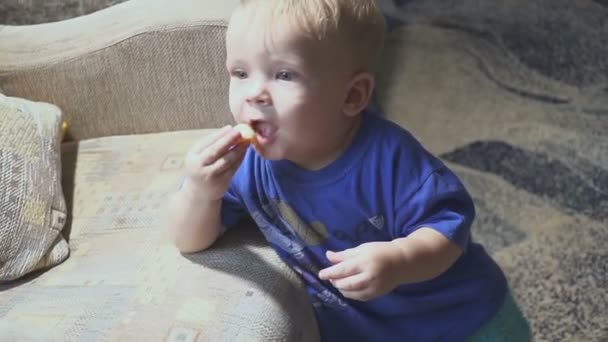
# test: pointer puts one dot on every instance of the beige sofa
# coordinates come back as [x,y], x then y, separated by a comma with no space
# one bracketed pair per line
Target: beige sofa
[138,84]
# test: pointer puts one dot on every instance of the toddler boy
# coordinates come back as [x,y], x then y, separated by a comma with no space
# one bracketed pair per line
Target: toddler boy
[377,227]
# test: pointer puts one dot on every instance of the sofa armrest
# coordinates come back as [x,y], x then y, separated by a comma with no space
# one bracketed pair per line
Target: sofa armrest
[138,67]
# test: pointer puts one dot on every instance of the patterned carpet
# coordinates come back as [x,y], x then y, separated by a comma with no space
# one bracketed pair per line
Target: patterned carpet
[28,12]
[524,123]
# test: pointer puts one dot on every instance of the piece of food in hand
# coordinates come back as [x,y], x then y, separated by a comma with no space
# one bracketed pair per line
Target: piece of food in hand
[247,133]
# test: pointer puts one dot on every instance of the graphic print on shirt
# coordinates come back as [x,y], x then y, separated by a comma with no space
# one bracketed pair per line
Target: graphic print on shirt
[371,229]
[313,234]
[377,221]
[284,228]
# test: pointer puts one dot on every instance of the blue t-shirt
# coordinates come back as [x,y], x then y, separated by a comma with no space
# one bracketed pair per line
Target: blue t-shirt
[384,186]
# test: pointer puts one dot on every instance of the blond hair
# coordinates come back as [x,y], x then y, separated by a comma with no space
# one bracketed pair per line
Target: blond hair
[358,23]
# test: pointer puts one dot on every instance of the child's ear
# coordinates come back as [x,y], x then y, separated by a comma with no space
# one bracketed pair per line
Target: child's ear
[358,93]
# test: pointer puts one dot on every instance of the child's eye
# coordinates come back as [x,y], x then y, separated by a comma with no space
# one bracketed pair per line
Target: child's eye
[285,75]
[240,74]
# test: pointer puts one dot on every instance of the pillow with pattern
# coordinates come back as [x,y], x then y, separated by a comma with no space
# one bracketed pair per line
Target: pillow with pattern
[32,204]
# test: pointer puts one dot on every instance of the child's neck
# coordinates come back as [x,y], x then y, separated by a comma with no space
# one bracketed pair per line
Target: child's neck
[332,153]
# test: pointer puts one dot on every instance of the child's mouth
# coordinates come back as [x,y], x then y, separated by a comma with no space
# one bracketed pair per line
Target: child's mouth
[264,131]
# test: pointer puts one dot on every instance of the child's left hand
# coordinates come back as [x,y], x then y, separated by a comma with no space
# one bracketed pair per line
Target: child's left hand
[365,272]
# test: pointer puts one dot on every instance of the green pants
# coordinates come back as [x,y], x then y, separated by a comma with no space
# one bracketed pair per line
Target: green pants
[509,325]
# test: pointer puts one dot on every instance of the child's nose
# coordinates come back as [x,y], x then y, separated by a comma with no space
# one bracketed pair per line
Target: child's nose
[258,95]
[262,100]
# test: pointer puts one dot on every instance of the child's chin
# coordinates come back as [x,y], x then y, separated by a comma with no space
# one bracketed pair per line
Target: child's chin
[267,153]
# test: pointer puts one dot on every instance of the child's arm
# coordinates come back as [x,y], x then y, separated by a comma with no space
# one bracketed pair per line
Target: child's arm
[424,255]
[194,223]
[194,219]
[373,269]
[431,231]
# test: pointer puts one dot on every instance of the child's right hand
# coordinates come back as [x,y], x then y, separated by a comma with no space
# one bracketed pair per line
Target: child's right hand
[211,163]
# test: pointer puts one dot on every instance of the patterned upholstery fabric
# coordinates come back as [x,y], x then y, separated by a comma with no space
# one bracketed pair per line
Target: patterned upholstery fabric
[32,207]
[126,281]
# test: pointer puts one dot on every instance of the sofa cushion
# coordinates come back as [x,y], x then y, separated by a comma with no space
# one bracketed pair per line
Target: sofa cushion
[32,206]
[126,281]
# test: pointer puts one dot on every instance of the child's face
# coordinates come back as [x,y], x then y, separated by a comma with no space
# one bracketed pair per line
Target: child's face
[289,88]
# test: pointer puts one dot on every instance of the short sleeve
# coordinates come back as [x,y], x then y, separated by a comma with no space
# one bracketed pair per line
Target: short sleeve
[441,203]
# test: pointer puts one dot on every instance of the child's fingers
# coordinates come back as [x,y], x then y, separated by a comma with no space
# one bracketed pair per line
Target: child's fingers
[357,282]
[340,270]
[336,257]
[229,161]
[210,139]
[220,147]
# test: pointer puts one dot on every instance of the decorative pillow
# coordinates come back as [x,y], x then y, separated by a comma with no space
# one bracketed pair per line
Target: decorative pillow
[32,205]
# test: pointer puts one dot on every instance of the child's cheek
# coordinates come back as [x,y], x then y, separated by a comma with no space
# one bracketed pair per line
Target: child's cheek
[234,100]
